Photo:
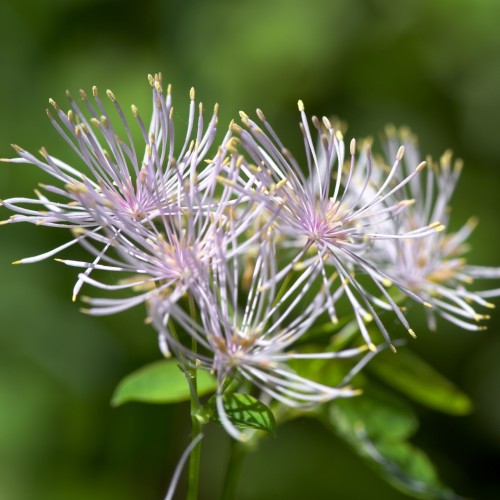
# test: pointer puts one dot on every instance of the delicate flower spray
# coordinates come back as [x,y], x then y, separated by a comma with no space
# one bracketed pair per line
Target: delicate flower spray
[270,282]
[435,267]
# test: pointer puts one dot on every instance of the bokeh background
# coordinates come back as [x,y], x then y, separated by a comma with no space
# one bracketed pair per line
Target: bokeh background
[431,65]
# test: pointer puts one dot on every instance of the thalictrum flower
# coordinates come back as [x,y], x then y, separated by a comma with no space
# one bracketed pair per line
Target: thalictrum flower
[329,220]
[167,256]
[123,194]
[435,267]
[249,331]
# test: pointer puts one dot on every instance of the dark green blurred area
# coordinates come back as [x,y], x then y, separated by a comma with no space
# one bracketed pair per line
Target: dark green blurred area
[431,65]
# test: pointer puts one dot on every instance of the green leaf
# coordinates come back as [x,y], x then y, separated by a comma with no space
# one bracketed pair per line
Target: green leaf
[160,382]
[327,371]
[407,468]
[384,416]
[377,426]
[244,412]
[342,331]
[412,376]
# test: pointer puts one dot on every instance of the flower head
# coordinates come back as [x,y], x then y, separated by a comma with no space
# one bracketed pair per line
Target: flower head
[146,207]
[435,267]
[114,179]
[326,218]
[249,331]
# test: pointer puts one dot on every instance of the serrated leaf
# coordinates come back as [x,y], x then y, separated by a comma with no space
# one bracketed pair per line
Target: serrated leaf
[160,382]
[244,411]
[415,378]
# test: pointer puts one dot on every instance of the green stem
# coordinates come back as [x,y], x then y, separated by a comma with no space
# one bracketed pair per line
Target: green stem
[196,424]
[233,472]
[194,459]
[283,288]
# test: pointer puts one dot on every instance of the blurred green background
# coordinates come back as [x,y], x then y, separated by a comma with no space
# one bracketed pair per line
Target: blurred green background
[432,65]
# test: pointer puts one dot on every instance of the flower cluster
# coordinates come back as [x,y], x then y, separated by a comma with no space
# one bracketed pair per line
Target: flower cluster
[435,267]
[239,252]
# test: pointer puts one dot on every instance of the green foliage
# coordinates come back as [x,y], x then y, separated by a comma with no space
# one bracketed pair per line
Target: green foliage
[160,382]
[412,376]
[377,426]
[244,411]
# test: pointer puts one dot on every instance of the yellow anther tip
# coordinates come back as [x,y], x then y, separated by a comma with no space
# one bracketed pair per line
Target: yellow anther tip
[421,166]
[352,147]
[407,203]
[236,128]
[473,222]
[327,123]
[158,87]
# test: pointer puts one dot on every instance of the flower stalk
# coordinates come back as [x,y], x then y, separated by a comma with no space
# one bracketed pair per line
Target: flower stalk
[196,428]
[237,456]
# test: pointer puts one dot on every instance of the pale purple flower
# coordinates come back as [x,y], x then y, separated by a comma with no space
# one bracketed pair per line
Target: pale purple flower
[165,257]
[435,267]
[248,331]
[172,254]
[110,180]
[126,201]
[324,219]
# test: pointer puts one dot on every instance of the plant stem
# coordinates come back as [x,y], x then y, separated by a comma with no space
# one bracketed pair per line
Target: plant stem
[233,472]
[196,425]
[194,461]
